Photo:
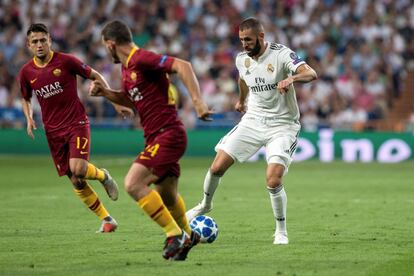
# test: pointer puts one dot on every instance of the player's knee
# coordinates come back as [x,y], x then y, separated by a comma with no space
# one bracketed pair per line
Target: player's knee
[78,170]
[274,181]
[217,170]
[76,182]
[130,186]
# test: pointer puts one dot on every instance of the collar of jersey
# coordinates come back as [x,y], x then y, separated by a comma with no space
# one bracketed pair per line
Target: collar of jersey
[133,50]
[265,53]
[46,63]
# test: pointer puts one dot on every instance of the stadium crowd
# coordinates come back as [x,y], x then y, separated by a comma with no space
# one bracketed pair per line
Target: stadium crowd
[359,48]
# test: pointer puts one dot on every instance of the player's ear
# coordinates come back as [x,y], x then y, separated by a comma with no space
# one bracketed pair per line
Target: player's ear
[111,43]
[108,43]
[261,35]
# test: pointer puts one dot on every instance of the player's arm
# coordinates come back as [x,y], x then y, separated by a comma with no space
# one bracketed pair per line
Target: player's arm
[120,109]
[304,73]
[28,113]
[97,88]
[25,89]
[186,73]
[244,91]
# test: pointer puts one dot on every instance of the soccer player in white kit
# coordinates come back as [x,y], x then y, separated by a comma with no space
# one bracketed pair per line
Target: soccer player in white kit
[267,72]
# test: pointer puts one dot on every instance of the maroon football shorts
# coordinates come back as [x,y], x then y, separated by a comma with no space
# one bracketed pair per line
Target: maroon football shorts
[73,142]
[163,151]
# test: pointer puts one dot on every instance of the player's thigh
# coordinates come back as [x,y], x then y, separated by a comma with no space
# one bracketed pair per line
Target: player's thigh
[281,148]
[59,149]
[163,152]
[241,142]
[79,142]
[78,166]
[139,176]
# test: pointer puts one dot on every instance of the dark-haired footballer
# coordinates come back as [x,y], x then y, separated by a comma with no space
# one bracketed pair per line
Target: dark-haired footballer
[51,77]
[146,86]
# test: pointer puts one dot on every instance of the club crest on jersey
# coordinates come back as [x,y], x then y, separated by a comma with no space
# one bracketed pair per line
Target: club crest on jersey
[133,76]
[57,72]
[270,68]
[247,65]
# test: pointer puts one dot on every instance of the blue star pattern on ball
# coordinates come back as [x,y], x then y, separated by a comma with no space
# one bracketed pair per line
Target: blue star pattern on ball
[206,227]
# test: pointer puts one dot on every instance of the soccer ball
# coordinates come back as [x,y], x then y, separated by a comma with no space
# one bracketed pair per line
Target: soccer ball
[206,227]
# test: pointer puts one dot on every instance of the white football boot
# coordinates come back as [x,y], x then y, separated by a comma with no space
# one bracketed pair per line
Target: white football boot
[198,210]
[280,238]
[110,185]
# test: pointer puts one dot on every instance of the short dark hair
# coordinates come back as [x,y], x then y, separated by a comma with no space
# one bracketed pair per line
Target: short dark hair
[37,28]
[251,23]
[117,31]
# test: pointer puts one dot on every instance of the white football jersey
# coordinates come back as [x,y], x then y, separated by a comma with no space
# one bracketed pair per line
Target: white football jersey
[261,76]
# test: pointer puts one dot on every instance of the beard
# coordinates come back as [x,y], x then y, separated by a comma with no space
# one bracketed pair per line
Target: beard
[115,58]
[256,50]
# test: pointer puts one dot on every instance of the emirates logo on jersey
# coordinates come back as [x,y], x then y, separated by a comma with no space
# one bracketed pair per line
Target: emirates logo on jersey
[133,76]
[262,86]
[57,72]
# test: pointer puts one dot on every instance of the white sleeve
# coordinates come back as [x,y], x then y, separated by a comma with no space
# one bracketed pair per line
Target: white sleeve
[239,66]
[291,61]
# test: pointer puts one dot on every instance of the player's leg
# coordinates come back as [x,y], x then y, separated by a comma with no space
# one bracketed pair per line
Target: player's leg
[82,169]
[239,144]
[80,149]
[61,151]
[279,152]
[222,162]
[88,196]
[167,188]
[137,183]
[278,200]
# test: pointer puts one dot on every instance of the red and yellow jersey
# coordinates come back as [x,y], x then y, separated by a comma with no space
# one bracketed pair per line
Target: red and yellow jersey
[55,88]
[145,80]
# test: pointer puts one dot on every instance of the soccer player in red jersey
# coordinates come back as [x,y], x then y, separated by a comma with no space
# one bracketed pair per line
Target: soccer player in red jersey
[146,87]
[51,76]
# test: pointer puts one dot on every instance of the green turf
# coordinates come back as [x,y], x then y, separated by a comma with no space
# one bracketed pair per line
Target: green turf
[343,219]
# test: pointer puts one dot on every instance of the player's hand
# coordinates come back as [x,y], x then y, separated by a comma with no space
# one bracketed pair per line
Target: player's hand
[283,85]
[96,88]
[124,111]
[240,107]
[31,125]
[203,112]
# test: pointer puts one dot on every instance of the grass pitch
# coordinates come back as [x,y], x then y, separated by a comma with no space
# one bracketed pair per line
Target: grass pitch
[343,219]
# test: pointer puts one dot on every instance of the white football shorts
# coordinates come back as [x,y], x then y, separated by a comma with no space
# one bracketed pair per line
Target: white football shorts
[246,138]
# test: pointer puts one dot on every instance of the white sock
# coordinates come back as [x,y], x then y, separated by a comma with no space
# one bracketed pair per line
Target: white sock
[210,185]
[278,199]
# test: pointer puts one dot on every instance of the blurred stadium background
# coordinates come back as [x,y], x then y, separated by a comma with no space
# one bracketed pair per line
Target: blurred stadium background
[363,52]
[345,219]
